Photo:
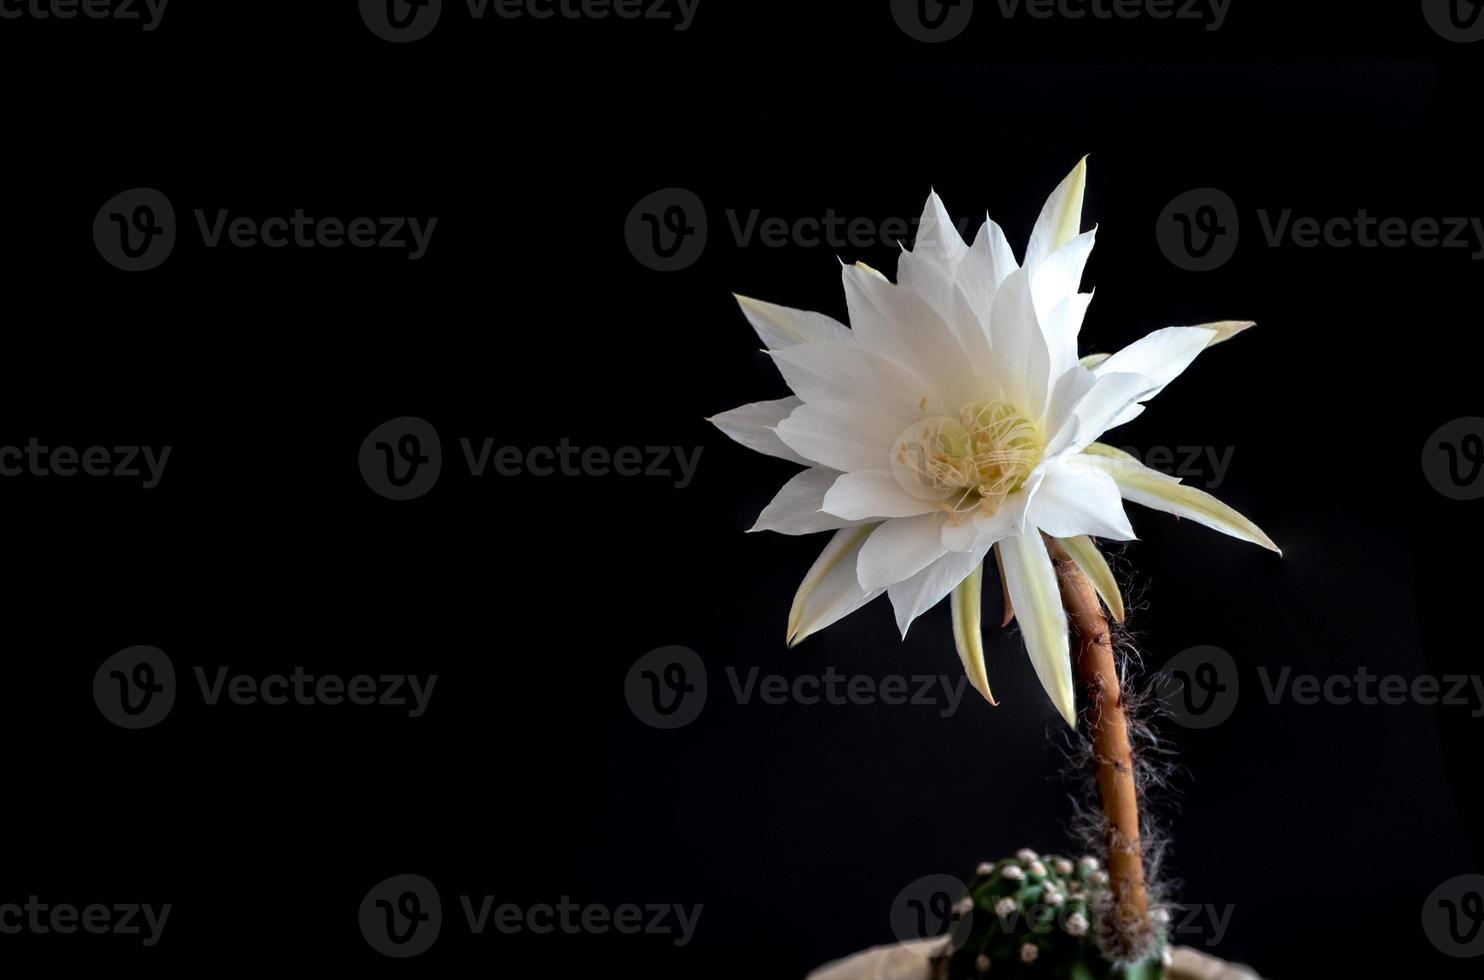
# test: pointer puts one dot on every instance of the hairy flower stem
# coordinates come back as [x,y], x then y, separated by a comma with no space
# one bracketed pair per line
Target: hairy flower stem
[1111,750]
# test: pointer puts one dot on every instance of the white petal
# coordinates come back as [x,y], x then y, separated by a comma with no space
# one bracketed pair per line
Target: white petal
[845,436]
[978,529]
[895,322]
[780,326]
[1062,327]
[1104,406]
[1161,356]
[831,590]
[1036,597]
[1053,282]
[899,549]
[937,237]
[968,636]
[1061,217]
[1165,493]
[989,262]
[753,425]
[845,372]
[947,296]
[923,591]
[1085,553]
[872,495]
[1075,498]
[799,506]
[1020,347]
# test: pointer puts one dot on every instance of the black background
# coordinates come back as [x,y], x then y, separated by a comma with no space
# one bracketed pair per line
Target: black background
[1323,828]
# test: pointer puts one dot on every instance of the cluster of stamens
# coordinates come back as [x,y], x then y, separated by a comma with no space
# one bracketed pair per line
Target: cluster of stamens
[971,463]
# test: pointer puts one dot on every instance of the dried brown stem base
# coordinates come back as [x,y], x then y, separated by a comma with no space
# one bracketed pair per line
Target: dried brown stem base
[1108,726]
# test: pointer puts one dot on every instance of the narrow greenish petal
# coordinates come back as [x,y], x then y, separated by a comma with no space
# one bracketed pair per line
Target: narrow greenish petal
[967,635]
[1162,492]
[1095,567]
[1043,619]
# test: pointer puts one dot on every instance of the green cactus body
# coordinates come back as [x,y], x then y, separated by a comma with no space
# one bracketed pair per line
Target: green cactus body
[1033,917]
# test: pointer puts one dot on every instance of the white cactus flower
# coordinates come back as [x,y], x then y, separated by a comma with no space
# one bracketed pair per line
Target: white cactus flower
[954,417]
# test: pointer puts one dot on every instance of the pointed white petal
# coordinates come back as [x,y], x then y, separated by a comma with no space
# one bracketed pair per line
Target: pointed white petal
[1020,347]
[945,294]
[873,495]
[1058,278]
[899,549]
[831,590]
[1061,217]
[780,326]
[1036,597]
[1075,498]
[923,591]
[937,238]
[1088,558]
[1165,493]
[1062,326]
[845,436]
[1161,356]
[989,261]
[968,635]
[798,507]
[896,323]
[1104,406]
[845,372]
[1223,331]
[753,425]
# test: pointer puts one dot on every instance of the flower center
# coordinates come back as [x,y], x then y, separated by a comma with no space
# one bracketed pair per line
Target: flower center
[969,463]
